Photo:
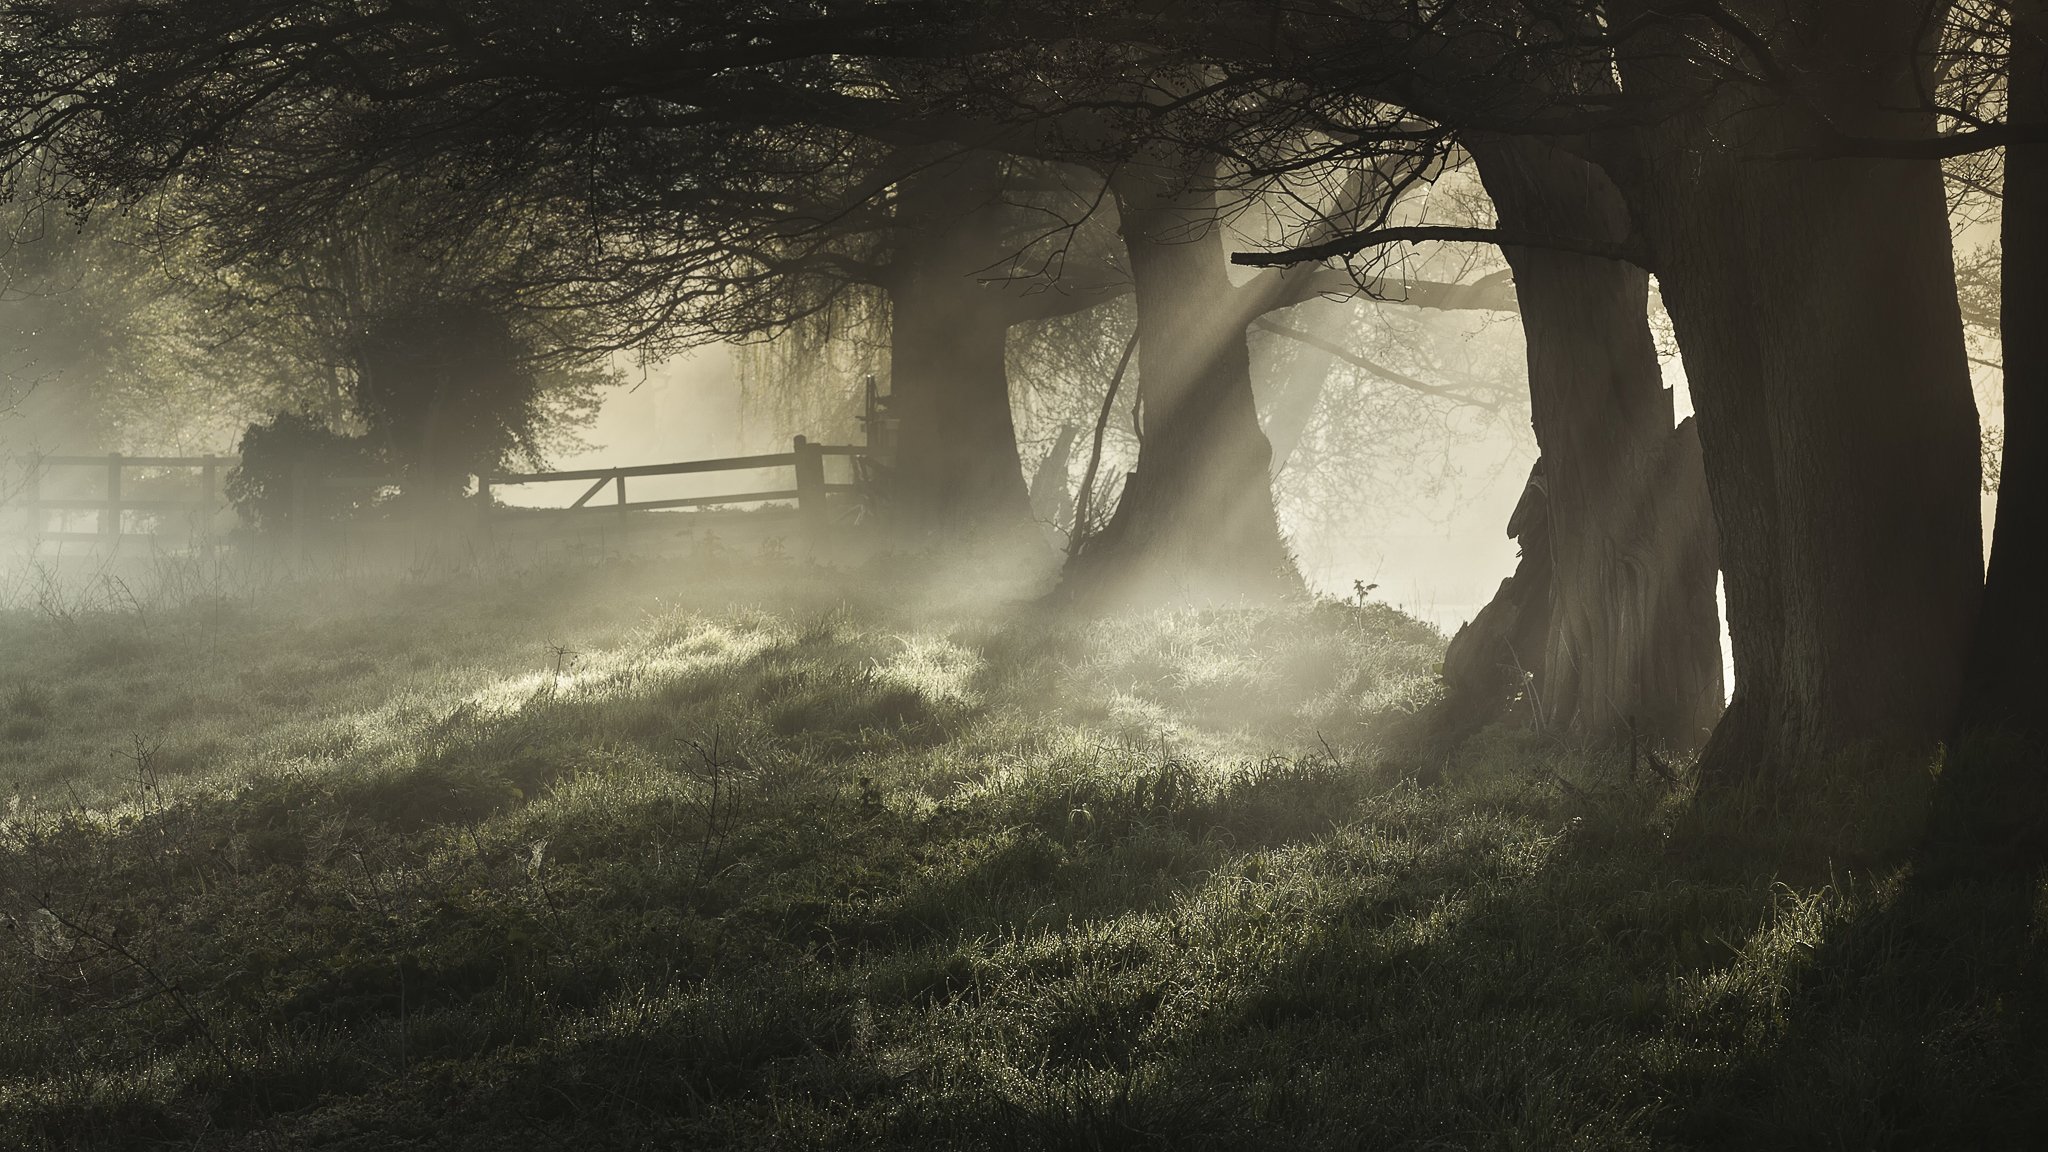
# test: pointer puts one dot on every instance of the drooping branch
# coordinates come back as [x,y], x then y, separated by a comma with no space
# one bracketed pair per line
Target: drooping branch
[1278,288]
[1947,146]
[1391,376]
[1415,234]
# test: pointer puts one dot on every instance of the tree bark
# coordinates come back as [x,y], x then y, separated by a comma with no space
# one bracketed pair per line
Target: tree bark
[1632,643]
[2009,673]
[1814,302]
[1197,519]
[957,469]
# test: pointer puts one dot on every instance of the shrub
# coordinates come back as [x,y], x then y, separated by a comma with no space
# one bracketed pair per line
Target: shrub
[291,447]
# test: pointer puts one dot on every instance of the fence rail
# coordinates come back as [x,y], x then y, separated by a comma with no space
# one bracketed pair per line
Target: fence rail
[805,459]
[202,507]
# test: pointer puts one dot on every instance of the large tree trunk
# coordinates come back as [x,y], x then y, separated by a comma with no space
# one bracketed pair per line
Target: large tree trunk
[1814,302]
[1632,643]
[2009,676]
[957,470]
[1197,517]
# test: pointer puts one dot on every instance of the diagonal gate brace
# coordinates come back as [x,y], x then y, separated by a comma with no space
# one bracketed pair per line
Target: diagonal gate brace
[594,490]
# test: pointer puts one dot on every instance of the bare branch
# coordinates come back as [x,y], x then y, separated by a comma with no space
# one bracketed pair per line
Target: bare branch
[1417,234]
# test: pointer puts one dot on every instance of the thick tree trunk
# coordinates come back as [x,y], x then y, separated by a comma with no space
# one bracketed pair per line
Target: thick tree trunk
[2009,676]
[1197,519]
[957,470]
[1632,640]
[1815,305]
[957,467]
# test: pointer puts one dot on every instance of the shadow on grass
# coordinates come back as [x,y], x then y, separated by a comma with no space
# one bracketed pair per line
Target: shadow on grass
[1921,1018]
[837,887]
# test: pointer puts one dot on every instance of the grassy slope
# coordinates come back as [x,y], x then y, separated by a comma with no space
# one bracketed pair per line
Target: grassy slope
[636,853]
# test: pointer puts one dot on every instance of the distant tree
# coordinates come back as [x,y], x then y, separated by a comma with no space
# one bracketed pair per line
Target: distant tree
[97,339]
[1365,401]
[151,329]
[959,278]
[445,352]
[957,251]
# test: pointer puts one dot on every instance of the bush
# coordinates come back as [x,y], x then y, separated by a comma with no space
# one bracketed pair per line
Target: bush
[338,471]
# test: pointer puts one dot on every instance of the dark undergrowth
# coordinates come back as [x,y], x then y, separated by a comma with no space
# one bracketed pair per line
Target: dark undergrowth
[812,871]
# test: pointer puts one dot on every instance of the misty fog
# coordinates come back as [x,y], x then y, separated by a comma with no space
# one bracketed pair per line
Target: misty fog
[874,574]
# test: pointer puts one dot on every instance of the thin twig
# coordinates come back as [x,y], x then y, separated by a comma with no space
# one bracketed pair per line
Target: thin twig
[170,989]
[1084,504]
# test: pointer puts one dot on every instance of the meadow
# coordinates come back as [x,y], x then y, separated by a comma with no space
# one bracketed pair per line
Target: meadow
[708,846]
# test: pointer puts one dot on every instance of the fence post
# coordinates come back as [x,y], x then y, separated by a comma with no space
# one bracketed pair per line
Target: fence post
[619,485]
[32,501]
[483,500]
[302,484]
[209,498]
[110,516]
[810,485]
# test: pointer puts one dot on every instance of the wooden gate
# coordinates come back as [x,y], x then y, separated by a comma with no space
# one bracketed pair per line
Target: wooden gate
[197,509]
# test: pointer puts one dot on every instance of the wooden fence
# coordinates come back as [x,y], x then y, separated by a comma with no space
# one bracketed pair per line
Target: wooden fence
[805,460]
[200,508]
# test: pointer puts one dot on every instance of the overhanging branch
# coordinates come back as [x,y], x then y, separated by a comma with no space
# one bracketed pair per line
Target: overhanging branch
[1943,147]
[1494,292]
[1415,234]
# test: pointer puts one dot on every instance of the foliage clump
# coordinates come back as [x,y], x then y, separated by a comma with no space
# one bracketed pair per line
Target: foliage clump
[295,472]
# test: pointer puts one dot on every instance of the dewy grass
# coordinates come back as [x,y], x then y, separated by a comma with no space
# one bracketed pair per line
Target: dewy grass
[636,853]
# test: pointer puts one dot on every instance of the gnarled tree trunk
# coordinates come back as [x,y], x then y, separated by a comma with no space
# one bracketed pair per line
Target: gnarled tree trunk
[1631,643]
[1492,668]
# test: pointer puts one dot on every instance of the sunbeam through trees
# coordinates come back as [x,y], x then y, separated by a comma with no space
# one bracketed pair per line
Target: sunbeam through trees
[962,574]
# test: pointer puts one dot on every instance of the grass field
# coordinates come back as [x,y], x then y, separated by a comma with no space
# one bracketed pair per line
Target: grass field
[721,848]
